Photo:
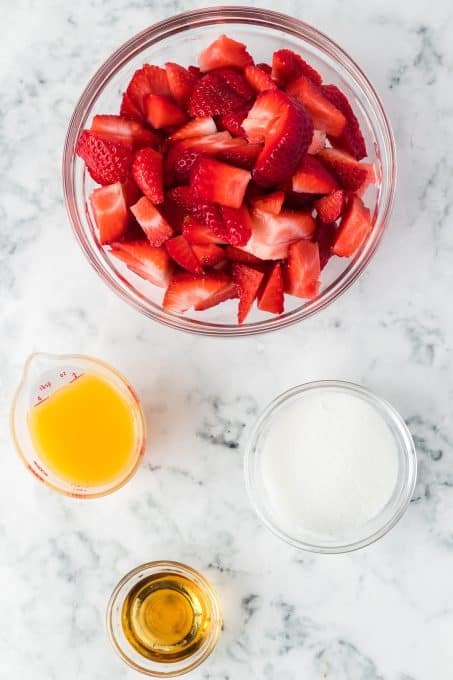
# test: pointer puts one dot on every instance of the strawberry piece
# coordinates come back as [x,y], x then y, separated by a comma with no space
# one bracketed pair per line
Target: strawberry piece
[179,163]
[350,173]
[238,227]
[123,130]
[107,161]
[110,212]
[243,156]
[325,115]
[325,236]
[131,192]
[287,131]
[157,79]
[218,182]
[264,251]
[174,214]
[318,142]
[266,68]
[208,254]
[247,282]
[197,127]
[199,234]
[129,109]
[311,177]
[330,207]
[147,172]
[232,121]
[180,82]
[224,52]
[272,202]
[195,71]
[152,222]
[211,96]
[152,264]
[226,293]
[181,252]
[162,112]
[213,144]
[186,291]
[145,81]
[236,82]
[207,213]
[287,65]
[354,228]
[351,138]
[303,269]
[287,226]
[239,255]
[270,299]
[259,79]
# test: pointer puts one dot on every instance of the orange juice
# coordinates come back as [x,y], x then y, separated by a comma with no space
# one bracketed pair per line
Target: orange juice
[85,432]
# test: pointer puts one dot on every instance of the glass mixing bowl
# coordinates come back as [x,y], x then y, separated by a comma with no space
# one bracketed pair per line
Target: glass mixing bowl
[181,38]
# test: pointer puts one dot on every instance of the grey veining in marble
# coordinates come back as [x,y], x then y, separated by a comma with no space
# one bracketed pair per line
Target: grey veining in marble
[384,613]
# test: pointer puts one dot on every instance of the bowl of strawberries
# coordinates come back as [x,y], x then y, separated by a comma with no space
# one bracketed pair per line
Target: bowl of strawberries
[229,171]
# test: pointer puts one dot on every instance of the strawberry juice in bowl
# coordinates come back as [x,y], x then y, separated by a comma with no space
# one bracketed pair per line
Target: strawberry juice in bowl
[192,268]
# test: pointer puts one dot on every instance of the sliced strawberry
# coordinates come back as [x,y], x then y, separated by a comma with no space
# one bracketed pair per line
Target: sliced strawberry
[351,138]
[187,291]
[195,71]
[272,202]
[179,163]
[152,222]
[232,121]
[287,131]
[247,282]
[270,299]
[157,79]
[181,252]
[265,251]
[138,88]
[350,173]
[237,225]
[266,68]
[197,127]
[152,264]
[130,110]
[311,177]
[325,115]
[131,192]
[218,182]
[205,212]
[325,236]
[259,79]
[239,255]
[147,172]
[330,207]
[174,214]
[236,82]
[354,228]
[162,112]
[110,212]
[213,144]
[288,226]
[208,254]
[303,269]
[287,65]
[226,293]
[181,82]
[211,96]
[318,142]
[300,201]
[199,234]
[242,156]
[123,130]
[224,52]
[107,161]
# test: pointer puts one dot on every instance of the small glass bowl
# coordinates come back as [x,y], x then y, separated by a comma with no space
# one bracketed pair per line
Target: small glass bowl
[381,523]
[124,648]
[181,38]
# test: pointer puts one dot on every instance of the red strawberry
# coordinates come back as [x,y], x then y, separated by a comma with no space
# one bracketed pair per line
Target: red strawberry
[239,255]
[157,79]
[272,202]
[325,236]
[208,254]
[324,114]
[129,109]
[260,250]
[330,207]
[259,79]
[266,68]
[243,156]
[162,112]
[311,177]
[287,65]
[107,161]
[131,192]
[271,297]
[197,127]
[110,212]
[247,282]
[287,132]
[235,82]
[232,121]
[187,291]
[195,71]
[213,144]
[224,52]
[350,173]
[178,164]
[147,172]
[318,142]
[181,252]
[154,225]
[354,228]
[211,96]
[226,293]
[205,212]
[174,214]
[238,227]
[303,269]
[147,80]
[351,139]
[123,130]
[181,82]
[152,264]
[287,226]
[218,182]
[199,234]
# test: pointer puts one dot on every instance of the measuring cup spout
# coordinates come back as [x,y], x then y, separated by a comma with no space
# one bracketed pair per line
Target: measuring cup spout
[35,366]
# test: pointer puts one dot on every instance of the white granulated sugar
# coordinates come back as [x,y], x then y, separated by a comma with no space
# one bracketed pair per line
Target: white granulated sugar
[330,464]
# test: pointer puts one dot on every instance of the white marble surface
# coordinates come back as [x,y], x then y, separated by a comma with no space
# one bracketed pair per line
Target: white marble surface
[384,613]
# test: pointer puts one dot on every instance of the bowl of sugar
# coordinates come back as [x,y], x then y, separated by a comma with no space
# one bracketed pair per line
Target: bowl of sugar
[330,467]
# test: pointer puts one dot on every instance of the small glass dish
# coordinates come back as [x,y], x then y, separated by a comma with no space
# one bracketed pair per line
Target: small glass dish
[381,523]
[181,38]
[43,374]
[169,570]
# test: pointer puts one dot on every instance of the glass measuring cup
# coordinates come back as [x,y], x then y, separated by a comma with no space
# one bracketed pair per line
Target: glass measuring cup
[43,376]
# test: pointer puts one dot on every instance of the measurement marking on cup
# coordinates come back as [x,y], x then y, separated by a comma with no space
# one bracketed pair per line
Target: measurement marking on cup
[40,400]
[75,376]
